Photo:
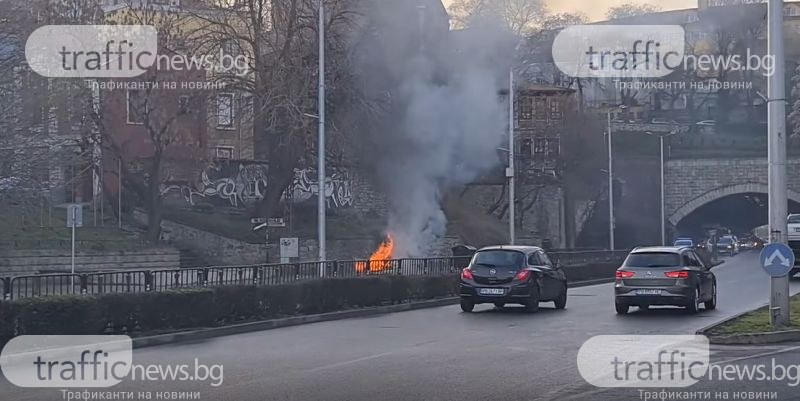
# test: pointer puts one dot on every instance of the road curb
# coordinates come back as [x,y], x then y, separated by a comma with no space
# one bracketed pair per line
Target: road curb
[211,332]
[771,337]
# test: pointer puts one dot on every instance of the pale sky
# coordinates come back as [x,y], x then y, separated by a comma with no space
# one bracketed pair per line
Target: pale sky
[596,9]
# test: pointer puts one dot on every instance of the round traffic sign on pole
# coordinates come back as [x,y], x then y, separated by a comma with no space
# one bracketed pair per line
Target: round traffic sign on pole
[777,259]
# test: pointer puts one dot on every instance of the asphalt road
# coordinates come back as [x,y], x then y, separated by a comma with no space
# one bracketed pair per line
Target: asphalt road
[443,354]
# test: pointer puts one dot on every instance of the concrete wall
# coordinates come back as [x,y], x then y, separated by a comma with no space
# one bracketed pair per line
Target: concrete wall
[540,211]
[20,262]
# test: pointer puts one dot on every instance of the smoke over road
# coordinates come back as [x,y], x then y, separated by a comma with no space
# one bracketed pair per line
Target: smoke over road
[446,118]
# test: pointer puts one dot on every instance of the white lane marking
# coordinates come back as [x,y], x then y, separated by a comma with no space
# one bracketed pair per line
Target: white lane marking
[350,362]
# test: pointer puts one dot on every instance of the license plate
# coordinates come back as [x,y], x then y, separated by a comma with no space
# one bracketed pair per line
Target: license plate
[648,292]
[491,291]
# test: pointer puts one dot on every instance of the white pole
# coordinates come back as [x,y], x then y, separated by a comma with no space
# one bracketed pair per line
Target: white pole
[511,171]
[779,297]
[321,143]
[663,223]
[74,220]
[119,193]
[610,188]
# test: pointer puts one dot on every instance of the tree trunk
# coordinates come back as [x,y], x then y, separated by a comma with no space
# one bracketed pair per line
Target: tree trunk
[155,214]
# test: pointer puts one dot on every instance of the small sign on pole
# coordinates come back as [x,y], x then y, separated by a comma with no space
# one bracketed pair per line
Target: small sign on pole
[289,249]
[74,216]
[74,220]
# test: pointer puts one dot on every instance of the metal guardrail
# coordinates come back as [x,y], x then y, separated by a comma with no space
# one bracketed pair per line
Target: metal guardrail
[99,283]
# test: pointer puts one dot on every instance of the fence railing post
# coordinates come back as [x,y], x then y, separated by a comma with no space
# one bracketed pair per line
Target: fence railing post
[84,284]
[7,291]
[255,275]
[148,281]
[335,268]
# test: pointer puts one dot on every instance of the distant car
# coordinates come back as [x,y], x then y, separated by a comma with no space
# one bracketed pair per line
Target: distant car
[664,276]
[794,241]
[680,242]
[508,274]
[794,227]
[706,123]
[727,245]
[663,121]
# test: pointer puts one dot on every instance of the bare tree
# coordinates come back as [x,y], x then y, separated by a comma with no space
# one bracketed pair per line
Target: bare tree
[279,37]
[170,114]
[631,10]
[519,16]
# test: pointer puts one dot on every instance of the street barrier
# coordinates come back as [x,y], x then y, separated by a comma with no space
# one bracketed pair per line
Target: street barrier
[99,283]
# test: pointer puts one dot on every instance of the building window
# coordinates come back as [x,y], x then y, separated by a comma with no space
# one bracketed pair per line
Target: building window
[539,146]
[555,109]
[225,112]
[225,152]
[136,107]
[526,108]
[554,147]
[541,109]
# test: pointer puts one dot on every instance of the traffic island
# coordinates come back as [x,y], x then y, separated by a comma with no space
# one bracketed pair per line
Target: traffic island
[753,327]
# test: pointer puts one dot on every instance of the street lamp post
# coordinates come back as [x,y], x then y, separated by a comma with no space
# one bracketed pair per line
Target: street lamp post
[776,109]
[611,182]
[321,145]
[663,186]
[510,173]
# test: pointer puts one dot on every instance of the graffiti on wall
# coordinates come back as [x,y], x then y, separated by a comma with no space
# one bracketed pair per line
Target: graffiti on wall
[241,184]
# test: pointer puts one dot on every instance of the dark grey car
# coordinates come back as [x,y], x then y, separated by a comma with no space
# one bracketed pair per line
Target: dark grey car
[508,274]
[673,276]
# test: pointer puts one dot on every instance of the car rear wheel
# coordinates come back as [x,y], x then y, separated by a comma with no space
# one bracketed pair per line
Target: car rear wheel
[694,302]
[467,305]
[561,301]
[622,309]
[712,303]
[532,306]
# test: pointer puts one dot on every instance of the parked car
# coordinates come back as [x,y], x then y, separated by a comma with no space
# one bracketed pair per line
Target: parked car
[659,120]
[664,276]
[508,274]
[706,123]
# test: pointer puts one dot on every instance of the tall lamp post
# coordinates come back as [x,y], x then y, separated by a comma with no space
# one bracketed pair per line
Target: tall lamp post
[321,144]
[510,172]
[661,137]
[776,159]
[611,180]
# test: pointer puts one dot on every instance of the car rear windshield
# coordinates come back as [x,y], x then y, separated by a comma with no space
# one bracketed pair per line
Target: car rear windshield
[725,241]
[685,242]
[499,258]
[653,259]
[795,219]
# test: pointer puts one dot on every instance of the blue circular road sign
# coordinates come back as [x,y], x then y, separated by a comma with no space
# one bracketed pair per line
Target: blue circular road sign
[777,259]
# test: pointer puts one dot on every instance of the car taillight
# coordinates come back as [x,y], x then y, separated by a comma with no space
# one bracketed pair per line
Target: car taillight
[522,275]
[624,274]
[679,274]
[466,274]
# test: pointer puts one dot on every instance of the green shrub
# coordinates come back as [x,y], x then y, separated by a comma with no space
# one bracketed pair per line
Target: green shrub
[134,314]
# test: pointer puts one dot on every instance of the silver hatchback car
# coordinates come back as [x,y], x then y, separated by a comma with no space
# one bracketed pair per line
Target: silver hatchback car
[673,276]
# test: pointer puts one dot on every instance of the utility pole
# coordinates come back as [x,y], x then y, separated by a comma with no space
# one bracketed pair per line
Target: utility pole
[779,286]
[510,172]
[321,211]
[610,188]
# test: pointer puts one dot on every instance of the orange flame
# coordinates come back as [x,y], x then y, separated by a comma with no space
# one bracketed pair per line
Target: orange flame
[380,259]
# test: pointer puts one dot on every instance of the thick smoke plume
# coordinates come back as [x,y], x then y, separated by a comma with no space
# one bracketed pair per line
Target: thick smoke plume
[447,117]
